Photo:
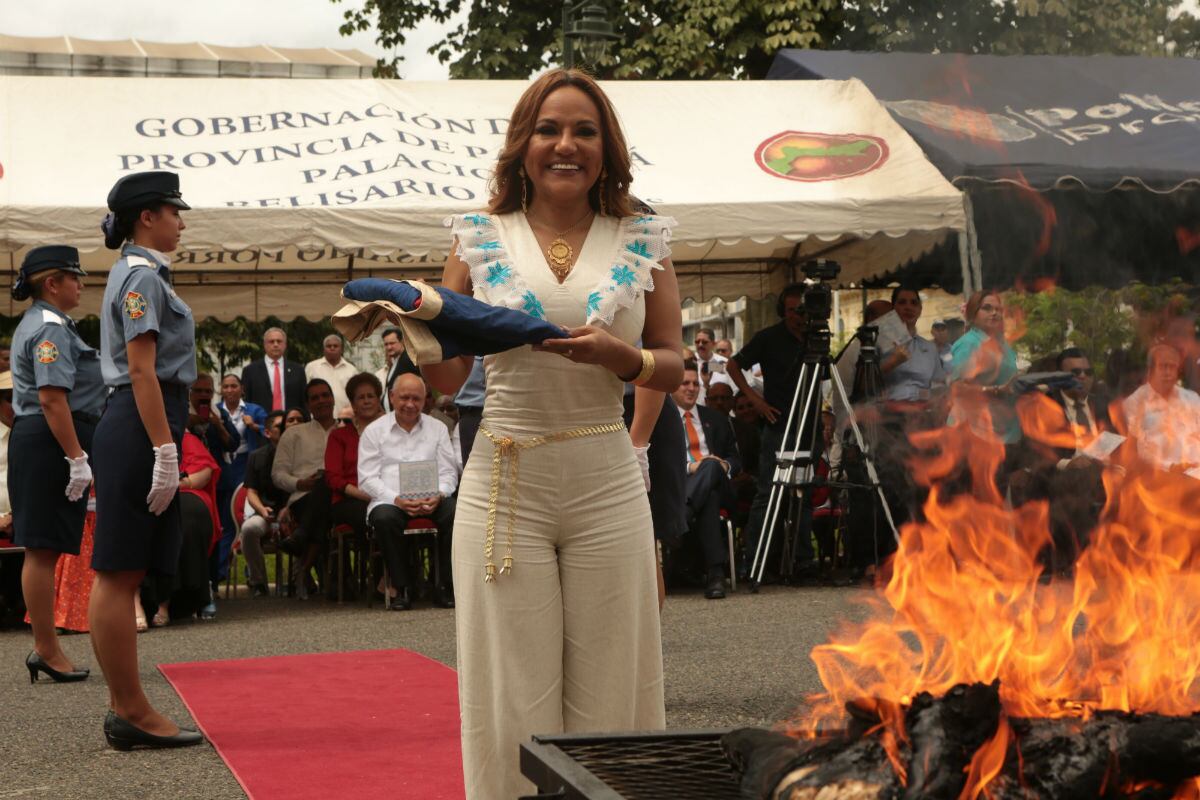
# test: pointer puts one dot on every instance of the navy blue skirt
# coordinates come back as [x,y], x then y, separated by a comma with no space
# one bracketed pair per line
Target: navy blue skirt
[128,537]
[38,472]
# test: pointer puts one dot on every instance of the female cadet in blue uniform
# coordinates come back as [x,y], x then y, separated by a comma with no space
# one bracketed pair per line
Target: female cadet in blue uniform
[57,399]
[148,359]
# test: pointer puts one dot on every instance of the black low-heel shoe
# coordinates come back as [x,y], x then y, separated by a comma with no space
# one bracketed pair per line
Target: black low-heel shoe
[35,664]
[124,735]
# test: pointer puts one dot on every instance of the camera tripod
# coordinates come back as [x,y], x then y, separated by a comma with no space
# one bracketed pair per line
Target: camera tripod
[801,445]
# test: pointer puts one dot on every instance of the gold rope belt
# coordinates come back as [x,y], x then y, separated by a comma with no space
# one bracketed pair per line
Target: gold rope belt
[505,461]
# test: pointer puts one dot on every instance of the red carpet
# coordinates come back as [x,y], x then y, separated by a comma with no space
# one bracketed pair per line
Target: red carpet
[372,723]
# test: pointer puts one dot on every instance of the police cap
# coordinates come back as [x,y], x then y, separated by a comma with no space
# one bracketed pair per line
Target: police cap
[141,189]
[39,259]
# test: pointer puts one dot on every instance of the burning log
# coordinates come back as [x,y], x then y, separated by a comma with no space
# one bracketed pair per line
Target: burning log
[1111,754]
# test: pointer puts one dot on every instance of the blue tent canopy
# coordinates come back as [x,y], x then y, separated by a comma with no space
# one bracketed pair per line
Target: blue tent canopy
[1099,121]
[1039,143]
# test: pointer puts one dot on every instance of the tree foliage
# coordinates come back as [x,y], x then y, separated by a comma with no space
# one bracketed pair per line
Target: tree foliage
[223,346]
[1012,27]
[1099,320]
[659,39]
[708,39]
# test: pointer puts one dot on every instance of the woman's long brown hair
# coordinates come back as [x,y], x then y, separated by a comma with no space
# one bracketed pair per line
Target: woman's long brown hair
[506,182]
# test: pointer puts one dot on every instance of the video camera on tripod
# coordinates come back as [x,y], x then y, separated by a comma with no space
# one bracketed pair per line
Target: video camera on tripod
[800,448]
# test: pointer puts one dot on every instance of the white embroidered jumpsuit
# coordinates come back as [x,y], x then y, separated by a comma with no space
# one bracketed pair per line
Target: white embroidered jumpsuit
[569,640]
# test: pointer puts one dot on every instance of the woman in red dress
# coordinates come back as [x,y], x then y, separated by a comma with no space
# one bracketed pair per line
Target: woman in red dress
[341,456]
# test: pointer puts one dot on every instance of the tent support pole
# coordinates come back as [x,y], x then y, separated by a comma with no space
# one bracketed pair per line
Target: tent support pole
[973,257]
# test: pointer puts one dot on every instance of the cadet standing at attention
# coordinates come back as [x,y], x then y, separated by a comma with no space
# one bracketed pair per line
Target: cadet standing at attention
[148,358]
[57,399]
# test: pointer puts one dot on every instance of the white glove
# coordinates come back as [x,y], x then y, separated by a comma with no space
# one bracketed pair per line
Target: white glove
[81,477]
[643,459]
[165,480]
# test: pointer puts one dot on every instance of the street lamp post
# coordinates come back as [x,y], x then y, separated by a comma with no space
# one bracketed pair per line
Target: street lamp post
[591,29]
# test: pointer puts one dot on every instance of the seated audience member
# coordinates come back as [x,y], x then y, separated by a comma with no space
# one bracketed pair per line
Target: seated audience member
[710,365]
[712,458]
[747,430]
[264,502]
[431,408]
[720,398]
[404,436]
[299,469]
[188,591]
[941,340]
[294,416]
[724,348]
[445,404]
[1163,418]
[211,425]
[348,501]
[1072,481]
[248,419]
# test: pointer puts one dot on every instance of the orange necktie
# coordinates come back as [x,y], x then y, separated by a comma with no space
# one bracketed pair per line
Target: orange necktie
[693,438]
[276,390]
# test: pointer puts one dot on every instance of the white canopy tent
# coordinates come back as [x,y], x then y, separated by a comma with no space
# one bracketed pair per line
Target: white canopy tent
[297,186]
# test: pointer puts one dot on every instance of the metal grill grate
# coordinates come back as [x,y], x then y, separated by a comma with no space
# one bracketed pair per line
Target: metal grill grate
[678,766]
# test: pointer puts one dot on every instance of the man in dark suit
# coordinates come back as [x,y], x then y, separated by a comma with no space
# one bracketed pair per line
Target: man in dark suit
[1071,480]
[712,457]
[274,382]
[398,363]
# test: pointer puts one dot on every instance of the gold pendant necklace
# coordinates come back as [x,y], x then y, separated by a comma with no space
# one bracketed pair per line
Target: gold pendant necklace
[560,256]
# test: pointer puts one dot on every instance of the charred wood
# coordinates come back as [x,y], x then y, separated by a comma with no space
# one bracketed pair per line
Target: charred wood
[1110,755]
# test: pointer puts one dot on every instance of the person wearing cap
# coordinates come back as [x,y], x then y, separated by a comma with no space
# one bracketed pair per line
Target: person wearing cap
[148,360]
[58,395]
[941,340]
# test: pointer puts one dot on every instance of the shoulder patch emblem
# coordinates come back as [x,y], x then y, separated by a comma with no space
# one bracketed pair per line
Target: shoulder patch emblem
[46,352]
[135,305]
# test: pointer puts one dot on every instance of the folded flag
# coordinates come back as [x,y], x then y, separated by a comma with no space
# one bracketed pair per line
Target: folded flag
[438,323]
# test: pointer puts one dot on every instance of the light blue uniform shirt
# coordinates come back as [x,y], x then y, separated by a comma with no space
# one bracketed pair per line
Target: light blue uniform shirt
[48,351]
[138,299]
[474,389]
[913,380]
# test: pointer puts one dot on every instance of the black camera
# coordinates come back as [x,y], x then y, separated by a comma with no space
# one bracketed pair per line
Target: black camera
[818,297]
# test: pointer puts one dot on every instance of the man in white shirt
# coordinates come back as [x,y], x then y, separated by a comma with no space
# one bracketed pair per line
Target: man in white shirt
[1163,417]
[710,365]
[407,436]
[334,370]
[299,469]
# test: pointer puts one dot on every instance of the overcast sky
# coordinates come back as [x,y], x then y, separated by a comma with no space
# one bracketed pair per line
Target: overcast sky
[283,23]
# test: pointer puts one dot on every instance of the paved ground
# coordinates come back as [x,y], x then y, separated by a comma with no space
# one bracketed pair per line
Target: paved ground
[741,661]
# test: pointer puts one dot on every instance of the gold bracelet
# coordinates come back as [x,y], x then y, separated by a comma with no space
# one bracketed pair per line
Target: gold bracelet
[647,372]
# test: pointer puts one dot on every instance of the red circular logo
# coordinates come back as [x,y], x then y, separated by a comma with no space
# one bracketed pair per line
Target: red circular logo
[810,157]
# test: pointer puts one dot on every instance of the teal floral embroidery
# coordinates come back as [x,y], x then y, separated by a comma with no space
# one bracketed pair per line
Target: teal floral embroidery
[639,248]
[498,273]
[532,306]
[642,220]
[623,276]
[477,220]
[593,303]
[495,245]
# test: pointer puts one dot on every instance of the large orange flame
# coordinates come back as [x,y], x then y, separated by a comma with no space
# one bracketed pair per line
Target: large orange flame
[964,603]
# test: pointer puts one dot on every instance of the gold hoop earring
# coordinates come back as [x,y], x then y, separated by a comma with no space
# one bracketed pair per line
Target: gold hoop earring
[524,191]
[602,186]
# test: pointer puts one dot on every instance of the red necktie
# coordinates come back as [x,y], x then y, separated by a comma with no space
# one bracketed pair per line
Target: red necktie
[693,437]
[276,390]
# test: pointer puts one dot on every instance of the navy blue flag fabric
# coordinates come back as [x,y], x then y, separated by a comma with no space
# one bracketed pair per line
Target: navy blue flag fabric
[439,324]
[1047,120]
